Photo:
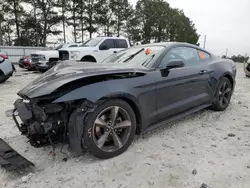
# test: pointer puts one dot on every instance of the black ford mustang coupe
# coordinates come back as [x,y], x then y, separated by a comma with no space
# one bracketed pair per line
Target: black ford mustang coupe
[99,107]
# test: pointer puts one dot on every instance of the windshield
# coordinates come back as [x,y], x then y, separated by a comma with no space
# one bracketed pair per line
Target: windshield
[92,42]
[137,55]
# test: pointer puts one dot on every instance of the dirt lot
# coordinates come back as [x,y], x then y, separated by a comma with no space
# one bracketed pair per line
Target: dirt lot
[194,151]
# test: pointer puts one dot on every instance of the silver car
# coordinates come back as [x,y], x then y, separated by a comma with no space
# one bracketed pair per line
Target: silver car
[6,68]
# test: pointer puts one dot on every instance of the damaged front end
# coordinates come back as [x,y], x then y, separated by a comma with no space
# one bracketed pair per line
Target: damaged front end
[46,123]
[42,124]
[53,107]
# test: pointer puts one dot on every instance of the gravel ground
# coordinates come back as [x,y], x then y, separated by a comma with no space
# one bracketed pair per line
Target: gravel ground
[206,149]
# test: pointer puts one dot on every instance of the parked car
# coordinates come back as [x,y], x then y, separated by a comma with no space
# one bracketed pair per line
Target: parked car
[246,67]
[6,68]
[43,60]
[99,107]
[95,50]
[25,63]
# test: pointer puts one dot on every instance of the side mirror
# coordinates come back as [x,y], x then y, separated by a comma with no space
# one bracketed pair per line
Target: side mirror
[103,47]
[175,64]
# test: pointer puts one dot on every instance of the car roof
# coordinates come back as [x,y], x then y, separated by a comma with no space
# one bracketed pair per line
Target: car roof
[169,44]
[172,44]
[111,37]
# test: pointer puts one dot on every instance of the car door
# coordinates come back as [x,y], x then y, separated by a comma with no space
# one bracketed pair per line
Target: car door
[183,88]
[106,48]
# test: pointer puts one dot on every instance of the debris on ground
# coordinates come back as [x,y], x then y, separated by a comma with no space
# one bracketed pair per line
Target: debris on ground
[204,186]
[25,179]
[231,135]
[151,182]
[194,172]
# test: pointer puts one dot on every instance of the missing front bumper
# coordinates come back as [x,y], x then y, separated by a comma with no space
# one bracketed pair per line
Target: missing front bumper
[11,159]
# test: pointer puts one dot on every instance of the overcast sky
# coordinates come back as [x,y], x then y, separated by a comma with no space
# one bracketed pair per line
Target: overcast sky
[225,22]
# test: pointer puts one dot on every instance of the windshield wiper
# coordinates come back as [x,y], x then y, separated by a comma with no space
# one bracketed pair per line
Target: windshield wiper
[148,61]
[133,55]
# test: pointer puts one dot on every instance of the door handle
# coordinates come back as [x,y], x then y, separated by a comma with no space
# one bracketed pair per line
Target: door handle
[115,52]
[202,72]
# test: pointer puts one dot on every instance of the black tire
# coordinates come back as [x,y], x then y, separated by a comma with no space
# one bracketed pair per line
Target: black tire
[89,138]
[247,76]
[3,78]
[88,59]
[221,99]
[248,67]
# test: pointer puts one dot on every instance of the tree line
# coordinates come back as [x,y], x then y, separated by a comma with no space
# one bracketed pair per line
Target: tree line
[239,58]
[31,22]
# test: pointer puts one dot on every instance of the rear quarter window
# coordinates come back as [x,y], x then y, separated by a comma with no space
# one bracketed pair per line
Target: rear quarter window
[204,56]
[73,46]
[121,43]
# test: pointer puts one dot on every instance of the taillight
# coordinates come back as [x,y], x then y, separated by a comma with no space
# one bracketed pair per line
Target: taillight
[3,56]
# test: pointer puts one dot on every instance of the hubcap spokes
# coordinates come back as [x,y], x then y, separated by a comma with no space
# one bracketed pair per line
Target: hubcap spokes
[114,127]
[225,94]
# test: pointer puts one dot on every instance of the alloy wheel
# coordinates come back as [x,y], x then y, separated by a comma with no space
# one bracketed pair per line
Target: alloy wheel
[225,94]
[111,129]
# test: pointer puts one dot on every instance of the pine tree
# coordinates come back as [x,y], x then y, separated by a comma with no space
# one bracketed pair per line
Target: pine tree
[48,17]
[15,11]
[90,15]
[105,16]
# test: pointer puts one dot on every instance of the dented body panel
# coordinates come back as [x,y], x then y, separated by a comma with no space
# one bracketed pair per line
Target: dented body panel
[68,72]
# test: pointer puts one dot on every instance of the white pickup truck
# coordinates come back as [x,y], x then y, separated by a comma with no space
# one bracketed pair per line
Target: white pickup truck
[95,50]
[42,59]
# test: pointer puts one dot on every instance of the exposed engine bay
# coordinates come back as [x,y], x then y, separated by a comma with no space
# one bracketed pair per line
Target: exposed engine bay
[43,125]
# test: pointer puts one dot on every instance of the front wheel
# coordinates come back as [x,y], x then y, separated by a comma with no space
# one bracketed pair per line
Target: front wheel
[110,129]
[223,95]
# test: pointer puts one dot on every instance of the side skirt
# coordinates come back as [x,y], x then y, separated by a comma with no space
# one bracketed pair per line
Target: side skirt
[177,117]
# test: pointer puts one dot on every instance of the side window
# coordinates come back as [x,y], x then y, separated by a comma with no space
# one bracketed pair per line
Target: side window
[74,45]
[121,43]
[109,43]
[204,56]
[188,55]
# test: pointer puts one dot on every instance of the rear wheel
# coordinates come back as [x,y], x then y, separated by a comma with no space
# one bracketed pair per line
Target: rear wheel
[222,95]
[110,129]
[88,58]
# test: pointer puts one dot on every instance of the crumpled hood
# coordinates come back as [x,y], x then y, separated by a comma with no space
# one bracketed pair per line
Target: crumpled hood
[70,71]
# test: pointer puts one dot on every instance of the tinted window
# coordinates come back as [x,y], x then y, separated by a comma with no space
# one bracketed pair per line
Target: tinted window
[204,56]
[121,43]
[73,45]
[109,43]
[188,55]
